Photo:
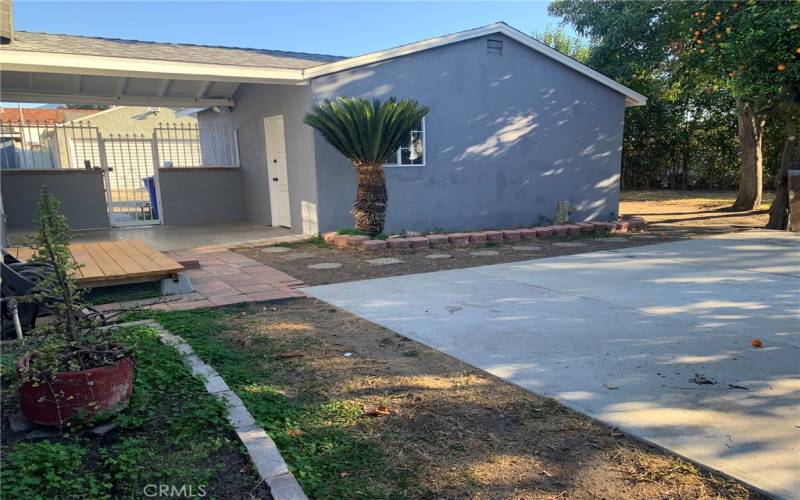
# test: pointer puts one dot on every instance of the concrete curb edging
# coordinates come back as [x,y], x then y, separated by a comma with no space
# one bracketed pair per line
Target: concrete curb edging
[262,450]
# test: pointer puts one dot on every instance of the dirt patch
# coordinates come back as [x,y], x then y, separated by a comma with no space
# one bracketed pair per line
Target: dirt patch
[693,211]
[355,265]
[454,431]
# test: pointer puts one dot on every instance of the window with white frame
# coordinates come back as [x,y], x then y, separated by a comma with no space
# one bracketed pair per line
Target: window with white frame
[412,152]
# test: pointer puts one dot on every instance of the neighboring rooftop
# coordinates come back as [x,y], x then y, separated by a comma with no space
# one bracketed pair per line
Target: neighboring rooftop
[39,115]
[137,49]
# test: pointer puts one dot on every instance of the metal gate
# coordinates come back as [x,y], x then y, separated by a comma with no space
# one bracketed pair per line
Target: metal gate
[130,162]
[131,180]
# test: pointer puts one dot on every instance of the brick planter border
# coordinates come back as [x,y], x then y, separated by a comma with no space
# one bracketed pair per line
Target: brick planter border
[479,238]
[262,450]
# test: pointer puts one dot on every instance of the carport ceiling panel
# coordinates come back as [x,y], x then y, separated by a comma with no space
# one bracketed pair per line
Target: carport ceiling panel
[186,88]
[221,89]
[54,82]
[143,87]
[15,80]
[101,85]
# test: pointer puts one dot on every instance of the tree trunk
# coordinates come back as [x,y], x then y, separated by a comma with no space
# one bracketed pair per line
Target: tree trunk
[369,209]
[751,131]
[779,210]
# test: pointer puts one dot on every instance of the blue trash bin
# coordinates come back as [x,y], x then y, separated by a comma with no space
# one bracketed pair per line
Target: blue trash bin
[150,184]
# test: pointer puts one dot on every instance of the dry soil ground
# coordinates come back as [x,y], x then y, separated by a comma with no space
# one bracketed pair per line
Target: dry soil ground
[454,431]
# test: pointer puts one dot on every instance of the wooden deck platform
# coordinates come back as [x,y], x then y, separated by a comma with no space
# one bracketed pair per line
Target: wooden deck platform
[108,263]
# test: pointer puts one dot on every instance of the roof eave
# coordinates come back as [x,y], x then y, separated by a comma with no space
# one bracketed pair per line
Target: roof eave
[78,64]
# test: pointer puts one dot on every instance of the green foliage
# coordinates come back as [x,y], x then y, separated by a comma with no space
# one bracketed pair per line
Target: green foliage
[49,470]
[693,60]
[366,131]
[358,232]
[571,46]
[172,433]
[122,293]
[50,246]
[72,342]
[753,47]
[331,441]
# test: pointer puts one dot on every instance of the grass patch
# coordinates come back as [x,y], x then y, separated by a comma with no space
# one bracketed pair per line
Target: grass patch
[697,197]
[315,241]
[358,232]
[173,433]
[322,439]
[121,293]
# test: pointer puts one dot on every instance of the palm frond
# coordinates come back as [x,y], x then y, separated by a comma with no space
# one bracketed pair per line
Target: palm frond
[366,131]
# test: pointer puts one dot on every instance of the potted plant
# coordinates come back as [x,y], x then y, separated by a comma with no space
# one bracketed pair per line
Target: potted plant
[71,368]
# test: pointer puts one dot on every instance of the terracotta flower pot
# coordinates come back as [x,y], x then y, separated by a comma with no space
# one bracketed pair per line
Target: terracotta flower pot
[86,392]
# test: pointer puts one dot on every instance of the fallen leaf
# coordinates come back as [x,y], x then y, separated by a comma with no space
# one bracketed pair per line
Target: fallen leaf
[344,474]
[293,354]
[375,411]
[701,380]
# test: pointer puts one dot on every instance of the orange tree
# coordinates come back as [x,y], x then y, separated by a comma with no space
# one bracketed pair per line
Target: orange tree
[753,48]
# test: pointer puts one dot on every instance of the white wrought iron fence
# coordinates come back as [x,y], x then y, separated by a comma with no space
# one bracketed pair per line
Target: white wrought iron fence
[189,145]
[39,145]
[77,145]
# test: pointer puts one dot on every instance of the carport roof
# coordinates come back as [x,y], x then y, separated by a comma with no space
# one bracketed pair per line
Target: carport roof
[209,54]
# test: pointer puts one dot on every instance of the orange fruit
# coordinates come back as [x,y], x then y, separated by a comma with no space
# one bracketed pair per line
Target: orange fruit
[702,51]
[717,36]
[756,342]
[797,50]
[781,67]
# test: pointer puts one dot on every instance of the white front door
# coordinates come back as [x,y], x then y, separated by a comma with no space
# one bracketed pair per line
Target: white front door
[276,170]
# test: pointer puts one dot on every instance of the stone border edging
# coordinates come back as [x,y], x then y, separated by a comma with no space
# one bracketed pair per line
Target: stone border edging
[262,450]
[345,241]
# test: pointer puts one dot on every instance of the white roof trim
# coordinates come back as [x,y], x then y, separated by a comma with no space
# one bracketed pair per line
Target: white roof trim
[78,64]
[632,98]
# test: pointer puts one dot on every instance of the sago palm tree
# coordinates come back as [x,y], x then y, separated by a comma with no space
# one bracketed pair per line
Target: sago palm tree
[367,132]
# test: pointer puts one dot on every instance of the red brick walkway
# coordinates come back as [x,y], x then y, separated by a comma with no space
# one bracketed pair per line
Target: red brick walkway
[224,278]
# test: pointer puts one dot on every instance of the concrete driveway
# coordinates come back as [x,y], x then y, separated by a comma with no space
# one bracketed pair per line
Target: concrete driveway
[628,337]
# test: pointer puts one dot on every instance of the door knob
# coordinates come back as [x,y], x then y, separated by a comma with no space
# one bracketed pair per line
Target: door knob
[275,179]
[274,160]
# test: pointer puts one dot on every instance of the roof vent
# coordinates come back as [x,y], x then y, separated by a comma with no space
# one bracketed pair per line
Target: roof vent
[6,22]
[494,47]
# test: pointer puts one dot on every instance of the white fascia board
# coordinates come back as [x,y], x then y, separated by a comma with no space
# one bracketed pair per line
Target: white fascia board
[632,98]
[116,100]
[76,64]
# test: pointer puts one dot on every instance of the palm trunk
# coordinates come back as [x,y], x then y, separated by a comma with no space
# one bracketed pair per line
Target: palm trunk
[751,130]
[779,210]
[369,209]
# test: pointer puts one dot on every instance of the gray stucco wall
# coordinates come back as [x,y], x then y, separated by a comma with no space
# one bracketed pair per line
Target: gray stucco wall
[507,137]
[253,104]
[80,192]
[206,195]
